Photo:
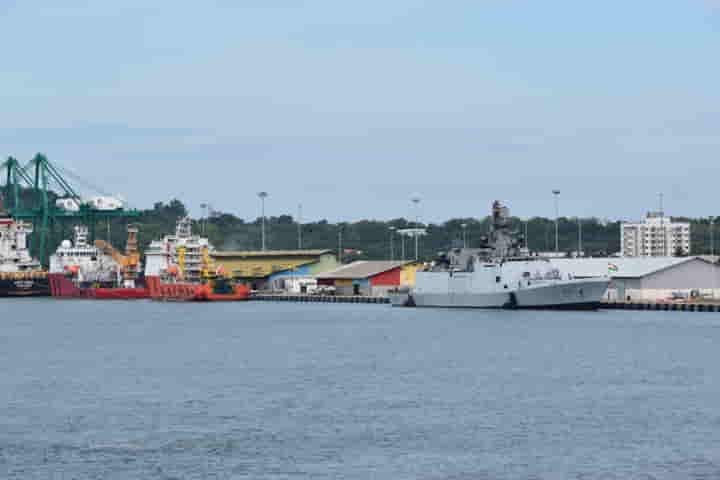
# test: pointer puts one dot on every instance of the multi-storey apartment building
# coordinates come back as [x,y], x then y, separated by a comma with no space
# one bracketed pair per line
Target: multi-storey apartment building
[656,236]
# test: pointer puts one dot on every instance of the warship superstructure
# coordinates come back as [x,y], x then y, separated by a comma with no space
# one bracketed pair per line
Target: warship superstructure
[500,274]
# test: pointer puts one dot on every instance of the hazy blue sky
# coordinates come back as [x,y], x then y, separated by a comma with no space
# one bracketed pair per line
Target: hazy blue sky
[351,107]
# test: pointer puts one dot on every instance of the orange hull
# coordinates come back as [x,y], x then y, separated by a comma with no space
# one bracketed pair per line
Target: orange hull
[192,293]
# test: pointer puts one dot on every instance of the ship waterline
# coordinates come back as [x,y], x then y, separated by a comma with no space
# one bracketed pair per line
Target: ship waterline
[574,295]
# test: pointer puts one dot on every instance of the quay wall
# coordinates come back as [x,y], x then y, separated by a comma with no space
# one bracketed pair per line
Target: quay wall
[320,298]
[609,305]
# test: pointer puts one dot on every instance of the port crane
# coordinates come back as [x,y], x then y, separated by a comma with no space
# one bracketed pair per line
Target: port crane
[40,192]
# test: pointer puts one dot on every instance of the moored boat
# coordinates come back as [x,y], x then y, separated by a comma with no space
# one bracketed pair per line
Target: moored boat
[81,270]
[20,273]
[178,268]
[500,274]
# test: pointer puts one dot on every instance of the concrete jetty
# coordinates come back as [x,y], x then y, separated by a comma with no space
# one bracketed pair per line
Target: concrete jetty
[319,298]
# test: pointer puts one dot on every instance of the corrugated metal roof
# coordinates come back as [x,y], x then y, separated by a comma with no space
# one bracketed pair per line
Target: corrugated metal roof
[271,253]
[362,269]
[622,267]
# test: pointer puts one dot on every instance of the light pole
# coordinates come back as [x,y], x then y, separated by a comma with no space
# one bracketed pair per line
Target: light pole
[203,206]
[263,196]
[464,230]
[556,194]
[579,237]
[299,222]
[392,249]
[712,252]
[712,236]
[340,229]
[527,244]
[416,200]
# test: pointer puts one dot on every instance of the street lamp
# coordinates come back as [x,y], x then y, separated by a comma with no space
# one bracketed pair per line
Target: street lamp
[712,252]
[203,207]
[579,254]
[464,237]
[340,229]
[299,222]
[556,194]
[392,248]
[263,196]
[416,200]
[712,236]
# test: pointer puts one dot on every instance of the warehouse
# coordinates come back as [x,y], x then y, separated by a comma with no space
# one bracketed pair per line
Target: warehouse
[372,278]
[287,270]
[648,278]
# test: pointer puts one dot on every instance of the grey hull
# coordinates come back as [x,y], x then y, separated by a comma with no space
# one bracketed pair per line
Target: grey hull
[573,294]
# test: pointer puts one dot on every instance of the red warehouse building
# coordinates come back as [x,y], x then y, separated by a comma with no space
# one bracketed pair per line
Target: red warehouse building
[371,278]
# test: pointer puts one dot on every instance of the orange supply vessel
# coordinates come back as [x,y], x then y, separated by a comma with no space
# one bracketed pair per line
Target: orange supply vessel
[207,292]
[178,268]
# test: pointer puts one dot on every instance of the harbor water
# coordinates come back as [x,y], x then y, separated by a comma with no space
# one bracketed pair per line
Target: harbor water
[155,390]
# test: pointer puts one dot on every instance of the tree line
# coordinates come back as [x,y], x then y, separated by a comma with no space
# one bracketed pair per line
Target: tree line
[371,239]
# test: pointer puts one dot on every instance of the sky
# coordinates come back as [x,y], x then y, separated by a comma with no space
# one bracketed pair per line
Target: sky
[353,108]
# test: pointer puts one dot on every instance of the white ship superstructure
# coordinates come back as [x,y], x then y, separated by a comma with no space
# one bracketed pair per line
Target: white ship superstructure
[14,253]
[500,274]
[183,256]
[85,262]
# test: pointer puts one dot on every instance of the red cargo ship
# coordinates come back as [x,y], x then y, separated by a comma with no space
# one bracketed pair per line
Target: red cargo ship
[81,270]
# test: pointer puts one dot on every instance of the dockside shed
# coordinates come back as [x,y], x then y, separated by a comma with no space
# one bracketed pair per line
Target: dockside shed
[369,277]
[648,278]
[287,270]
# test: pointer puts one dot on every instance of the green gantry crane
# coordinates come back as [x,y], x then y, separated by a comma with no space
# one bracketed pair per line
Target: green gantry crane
[39,180]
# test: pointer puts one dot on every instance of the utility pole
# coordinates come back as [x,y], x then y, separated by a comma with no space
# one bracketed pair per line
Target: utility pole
[712,236]
[340,227]
[712,252]
[392,249]
[579,237]
[416,200]
[263,196]
[556,193]
[203,207]
[299,223]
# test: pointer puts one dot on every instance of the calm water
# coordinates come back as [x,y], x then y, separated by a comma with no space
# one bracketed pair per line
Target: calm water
[123,390]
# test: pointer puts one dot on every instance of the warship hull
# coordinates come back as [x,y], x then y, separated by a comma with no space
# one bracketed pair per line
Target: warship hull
[572,295]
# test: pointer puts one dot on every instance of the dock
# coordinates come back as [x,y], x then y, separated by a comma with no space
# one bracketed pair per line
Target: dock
[655,306]
[319,298]
[663,306]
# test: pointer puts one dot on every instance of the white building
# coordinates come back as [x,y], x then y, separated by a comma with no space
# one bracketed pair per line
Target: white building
[656,236]
[648,279]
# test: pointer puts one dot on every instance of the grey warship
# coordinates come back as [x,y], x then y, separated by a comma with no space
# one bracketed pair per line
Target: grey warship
[500,274]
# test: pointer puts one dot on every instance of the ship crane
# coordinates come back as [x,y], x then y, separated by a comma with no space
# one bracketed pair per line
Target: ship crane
[41,192]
